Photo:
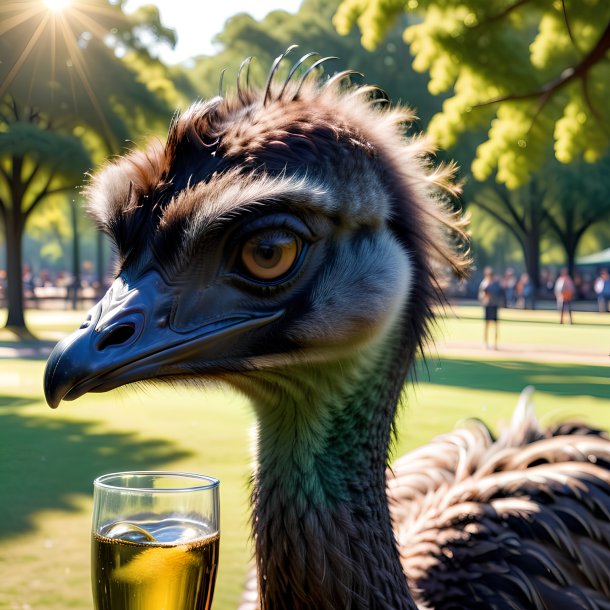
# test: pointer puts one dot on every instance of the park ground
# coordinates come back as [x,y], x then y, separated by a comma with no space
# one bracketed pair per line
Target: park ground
[48,459]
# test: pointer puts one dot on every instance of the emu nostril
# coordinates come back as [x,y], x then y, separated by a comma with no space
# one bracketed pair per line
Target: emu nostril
[117,336]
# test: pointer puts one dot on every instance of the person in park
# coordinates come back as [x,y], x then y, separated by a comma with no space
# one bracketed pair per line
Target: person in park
[526,291]
[602,290]
[491,295]
[564,293]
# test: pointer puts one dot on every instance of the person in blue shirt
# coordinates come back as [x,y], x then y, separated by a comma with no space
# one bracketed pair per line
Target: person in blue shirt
[602,290]
[491,296]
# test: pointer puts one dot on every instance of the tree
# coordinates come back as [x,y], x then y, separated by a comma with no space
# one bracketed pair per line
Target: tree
[36,164]
[562,201]
[74,85]
[580,199]
[312,30]
[520,212]
[48,234]
[533,70]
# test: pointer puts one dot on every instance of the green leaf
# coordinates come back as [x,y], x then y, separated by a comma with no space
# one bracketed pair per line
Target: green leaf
[59,152]
[544,74]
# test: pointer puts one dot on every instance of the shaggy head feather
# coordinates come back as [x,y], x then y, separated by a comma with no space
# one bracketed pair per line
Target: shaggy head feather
[326,149]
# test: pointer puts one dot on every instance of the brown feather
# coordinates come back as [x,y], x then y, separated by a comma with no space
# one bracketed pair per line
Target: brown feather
[535,513]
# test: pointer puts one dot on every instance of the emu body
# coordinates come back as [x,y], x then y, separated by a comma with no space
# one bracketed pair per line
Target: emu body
[288,242]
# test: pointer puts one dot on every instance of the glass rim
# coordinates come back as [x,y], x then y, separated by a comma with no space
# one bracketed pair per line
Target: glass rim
[101,481]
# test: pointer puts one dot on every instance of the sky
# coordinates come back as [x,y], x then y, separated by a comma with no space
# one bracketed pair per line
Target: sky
[196,22]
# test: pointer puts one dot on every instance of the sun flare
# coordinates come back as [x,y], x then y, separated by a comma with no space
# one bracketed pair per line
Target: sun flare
[57,6]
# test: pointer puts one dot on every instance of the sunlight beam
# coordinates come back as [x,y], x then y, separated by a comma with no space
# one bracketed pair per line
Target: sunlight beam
[90,24]
[23,16]
[57,6]
[24,55]
[79,67]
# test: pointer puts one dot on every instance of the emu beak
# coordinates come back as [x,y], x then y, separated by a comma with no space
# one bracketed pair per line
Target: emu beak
[132,335]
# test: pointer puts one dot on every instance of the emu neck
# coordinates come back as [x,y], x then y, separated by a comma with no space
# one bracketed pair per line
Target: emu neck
[321,523]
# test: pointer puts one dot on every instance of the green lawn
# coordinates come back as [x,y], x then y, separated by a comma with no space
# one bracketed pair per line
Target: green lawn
[49,458]
[590,331]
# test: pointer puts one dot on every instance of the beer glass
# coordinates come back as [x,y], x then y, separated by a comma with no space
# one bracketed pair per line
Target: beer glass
[155,541]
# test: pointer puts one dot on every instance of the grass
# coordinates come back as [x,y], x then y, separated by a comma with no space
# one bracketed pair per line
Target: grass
[49,458]
[591,330]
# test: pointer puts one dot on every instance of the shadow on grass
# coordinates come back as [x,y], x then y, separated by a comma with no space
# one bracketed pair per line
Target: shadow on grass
[512,376]
[34,349]
[45,463]
[14,401]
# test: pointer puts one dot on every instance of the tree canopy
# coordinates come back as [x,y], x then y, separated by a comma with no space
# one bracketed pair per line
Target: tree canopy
[533,71]
[83,66]
[311,28]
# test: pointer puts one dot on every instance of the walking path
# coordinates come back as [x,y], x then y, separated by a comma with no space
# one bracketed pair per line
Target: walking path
[474,349]
[41,351]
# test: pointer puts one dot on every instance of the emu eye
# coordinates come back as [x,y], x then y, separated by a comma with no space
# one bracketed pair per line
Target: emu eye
[270,254]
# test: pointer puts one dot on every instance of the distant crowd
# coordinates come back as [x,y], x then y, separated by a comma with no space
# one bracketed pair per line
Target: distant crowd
[60,285]
[495,291]
[518,290]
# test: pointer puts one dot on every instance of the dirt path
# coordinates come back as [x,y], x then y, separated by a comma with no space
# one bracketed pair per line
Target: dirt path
[29,349]
[474,349]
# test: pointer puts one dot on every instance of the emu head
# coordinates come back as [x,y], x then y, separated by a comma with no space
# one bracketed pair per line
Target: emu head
[293,224]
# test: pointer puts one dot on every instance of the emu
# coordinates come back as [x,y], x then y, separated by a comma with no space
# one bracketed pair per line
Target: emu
[289,241]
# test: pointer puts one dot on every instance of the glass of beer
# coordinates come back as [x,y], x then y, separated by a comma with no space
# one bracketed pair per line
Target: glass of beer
[155,541]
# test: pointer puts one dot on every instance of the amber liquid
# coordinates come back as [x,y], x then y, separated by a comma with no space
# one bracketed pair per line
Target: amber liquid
[130,575]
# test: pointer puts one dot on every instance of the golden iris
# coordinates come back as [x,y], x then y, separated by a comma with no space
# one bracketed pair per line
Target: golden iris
[270,255]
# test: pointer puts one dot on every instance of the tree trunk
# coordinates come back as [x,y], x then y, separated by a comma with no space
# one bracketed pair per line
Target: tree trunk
[571,260]
[571,242]
[75,256]
[531,254]
[533,233]
[14,224]
[13,230]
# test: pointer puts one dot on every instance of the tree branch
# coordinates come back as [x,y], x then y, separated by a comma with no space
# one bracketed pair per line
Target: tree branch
[13,107]
[5,174]
[505,199]
[567,22]
[587,97]
[595,215]
[60,189]
[553,223]
[29,179]
[509,225]
[545,92]
[44,191]
[502,14]
[581,231]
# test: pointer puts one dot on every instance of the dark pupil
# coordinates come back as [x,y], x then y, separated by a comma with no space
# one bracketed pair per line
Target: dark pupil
[267,255]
